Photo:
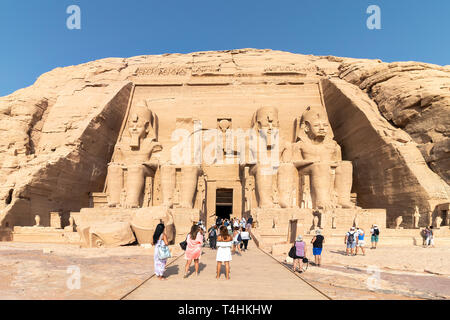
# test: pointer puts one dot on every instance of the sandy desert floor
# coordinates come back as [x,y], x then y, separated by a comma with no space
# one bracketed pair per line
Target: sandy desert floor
[40,271]
[386,272]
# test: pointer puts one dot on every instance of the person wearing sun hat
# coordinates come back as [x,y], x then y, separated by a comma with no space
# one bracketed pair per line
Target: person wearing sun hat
[317,242]
[300,253]
[350,241]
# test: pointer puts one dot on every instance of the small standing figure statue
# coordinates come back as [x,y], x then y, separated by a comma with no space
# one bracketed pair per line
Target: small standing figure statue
[416,218]
[398,222]
[37,218]
[438,221]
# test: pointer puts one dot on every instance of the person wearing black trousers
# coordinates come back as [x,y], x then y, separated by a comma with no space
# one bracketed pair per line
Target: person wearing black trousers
[212,235]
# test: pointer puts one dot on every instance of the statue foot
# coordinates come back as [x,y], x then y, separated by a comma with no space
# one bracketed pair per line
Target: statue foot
[112,205]
[346,205]
[325,206]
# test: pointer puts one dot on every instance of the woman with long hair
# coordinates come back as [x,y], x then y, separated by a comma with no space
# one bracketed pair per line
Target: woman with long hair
[224,242]
[159,238]
[193,249]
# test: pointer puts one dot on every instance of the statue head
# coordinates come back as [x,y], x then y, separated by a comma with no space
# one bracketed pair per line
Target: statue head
[314,122]
[265,118]
[141,124]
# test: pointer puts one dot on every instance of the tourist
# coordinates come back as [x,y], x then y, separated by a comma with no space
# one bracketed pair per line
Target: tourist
[430,241]
[212,235]
[317,242]
[193,249]
[424,234]
[236,240]
[224,242]
[159,238]
[375,232]
[249,224]
[360,240]
[300,254]
[245,237]
[219,221]
[243,223]
[230,229]
[350,241]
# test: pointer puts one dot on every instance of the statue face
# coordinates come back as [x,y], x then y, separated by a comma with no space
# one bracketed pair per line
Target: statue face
[267,119]
[137,127]
[318,128]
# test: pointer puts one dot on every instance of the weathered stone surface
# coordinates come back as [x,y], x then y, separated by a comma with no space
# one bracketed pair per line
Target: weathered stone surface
[415,97]
[57,136]
[389,169]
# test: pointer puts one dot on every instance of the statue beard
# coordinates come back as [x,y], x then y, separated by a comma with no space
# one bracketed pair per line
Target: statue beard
[135,140]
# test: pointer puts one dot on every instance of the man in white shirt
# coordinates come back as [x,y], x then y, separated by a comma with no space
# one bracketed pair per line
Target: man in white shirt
[245,236]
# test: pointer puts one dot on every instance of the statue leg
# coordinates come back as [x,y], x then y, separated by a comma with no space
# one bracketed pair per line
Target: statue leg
[286,175]
[188,185]
[115,184]
[321,185]
[343,184]
[167,185]
[135,185]
[264,179]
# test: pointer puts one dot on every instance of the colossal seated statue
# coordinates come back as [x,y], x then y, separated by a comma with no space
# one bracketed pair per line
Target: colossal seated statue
[136,153]
[316,154]
[274,180]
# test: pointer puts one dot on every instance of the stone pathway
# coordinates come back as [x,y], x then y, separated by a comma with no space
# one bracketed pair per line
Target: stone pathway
[254,276]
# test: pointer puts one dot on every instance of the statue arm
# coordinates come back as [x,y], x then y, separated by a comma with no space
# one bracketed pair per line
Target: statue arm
[298,155]
[338,153]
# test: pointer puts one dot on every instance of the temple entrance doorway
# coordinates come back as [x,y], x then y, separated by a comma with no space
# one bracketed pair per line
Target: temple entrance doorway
[224,203]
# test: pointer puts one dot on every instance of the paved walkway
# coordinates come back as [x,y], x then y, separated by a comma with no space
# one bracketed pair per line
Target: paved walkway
[254,276]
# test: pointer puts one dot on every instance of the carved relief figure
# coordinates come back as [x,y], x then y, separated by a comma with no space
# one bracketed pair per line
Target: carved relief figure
[316,154]
[135,154]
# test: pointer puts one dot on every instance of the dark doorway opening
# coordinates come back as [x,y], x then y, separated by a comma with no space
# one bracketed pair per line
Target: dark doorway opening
[444,218]
[224,203]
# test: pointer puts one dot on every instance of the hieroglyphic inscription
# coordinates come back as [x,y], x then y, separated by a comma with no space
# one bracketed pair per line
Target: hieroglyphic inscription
[161,71]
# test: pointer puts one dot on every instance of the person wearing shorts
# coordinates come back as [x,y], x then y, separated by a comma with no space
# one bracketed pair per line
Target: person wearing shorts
[374,237]
[360,240]
[350,241]
[317,242]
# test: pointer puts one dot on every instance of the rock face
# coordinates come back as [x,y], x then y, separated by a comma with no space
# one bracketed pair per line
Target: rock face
[414,97]
[58,136]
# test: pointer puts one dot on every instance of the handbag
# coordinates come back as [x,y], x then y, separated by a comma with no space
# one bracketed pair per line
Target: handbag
[164,252]
[183,245]
[305,260]
[292,252]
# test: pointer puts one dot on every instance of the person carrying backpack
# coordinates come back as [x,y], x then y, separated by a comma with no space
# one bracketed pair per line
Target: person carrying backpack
[350,241]
[212,235]
[375,234]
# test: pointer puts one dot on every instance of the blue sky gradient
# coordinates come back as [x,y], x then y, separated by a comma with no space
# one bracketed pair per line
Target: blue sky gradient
[34,37]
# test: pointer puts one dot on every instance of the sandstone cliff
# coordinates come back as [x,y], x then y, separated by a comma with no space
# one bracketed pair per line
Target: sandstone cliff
[57,135]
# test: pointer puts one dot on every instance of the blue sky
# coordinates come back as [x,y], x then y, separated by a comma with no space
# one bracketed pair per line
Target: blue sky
[34,37]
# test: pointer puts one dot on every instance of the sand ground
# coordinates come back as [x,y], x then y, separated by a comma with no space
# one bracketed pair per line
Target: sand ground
[40,271]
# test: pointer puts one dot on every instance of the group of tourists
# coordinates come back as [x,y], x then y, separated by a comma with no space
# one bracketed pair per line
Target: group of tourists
[226,236]
[354,240]
[428,237]
[299,251]
[229,236]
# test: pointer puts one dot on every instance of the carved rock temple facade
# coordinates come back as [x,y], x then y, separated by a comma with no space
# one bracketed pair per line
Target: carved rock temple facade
[285,138]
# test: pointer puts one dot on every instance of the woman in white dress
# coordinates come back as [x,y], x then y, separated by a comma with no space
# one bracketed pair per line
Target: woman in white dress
[224,242]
